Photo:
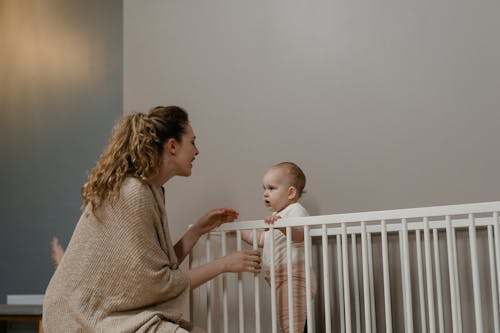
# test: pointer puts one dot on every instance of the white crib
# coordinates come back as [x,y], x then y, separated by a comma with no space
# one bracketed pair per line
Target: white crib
[432,269]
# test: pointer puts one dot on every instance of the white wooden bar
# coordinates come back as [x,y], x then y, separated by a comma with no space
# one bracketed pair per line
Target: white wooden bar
[366,283]
[456,279]
[289,274]
[439,290]
[224,287]
[428,272]
[475,276]
[274,323]
[396,214]
[354,226]
[209,287]
[494,298]
[420,273]
[357,309]
[387,282]
[241,313]
[451,270]
[340,284]
[347,289]
[407,282]
[307,246]
[256,286]
[496,228]
[403,278]
[372,289]
[326,279]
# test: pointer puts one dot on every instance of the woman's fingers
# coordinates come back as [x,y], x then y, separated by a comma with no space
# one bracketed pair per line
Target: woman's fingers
[252,261]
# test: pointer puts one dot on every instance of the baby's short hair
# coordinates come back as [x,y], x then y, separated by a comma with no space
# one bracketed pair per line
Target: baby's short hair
[297,177]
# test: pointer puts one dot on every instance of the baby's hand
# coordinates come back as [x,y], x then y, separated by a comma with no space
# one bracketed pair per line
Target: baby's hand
[271,219]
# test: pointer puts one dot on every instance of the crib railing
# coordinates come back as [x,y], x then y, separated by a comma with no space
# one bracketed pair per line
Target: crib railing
[432,269]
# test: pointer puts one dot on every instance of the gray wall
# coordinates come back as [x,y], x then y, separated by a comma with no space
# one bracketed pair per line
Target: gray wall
[61,91]
[387,104]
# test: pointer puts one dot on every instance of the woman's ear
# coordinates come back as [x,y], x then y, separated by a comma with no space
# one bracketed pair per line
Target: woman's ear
[171,146]
[292,193]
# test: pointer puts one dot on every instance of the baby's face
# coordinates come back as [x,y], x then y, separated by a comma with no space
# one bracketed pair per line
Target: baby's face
[276,190]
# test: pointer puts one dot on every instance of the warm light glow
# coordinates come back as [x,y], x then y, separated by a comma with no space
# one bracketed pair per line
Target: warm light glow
[47,47]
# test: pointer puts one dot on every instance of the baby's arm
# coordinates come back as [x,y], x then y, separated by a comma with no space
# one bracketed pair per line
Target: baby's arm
[297,232]
[247,236]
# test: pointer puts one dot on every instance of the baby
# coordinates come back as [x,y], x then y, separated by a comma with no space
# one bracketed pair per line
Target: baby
[283,186]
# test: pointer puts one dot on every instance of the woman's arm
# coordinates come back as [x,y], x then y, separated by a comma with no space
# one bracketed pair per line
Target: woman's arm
[186,243]
[236,262]
[206,223]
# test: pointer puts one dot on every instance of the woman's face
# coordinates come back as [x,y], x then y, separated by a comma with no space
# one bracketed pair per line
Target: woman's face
[186,152]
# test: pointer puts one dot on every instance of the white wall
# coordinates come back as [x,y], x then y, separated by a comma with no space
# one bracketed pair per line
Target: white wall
[386,104]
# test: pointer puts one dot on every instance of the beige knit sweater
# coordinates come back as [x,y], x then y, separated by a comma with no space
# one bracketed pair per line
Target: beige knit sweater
[120,271]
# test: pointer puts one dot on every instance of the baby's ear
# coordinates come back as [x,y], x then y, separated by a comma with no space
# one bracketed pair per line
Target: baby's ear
[292,193]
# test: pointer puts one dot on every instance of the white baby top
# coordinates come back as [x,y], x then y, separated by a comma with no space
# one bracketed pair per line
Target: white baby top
[293,210]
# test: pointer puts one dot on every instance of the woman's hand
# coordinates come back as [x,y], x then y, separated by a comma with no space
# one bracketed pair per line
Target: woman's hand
[214,218]
[242,261]
[237,262]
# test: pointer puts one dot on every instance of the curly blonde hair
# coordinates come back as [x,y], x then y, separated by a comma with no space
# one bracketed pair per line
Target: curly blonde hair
[134,150]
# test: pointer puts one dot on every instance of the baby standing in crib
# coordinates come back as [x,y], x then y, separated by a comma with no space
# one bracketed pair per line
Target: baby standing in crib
[283,186]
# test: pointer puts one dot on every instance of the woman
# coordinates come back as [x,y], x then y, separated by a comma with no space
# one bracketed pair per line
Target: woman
[120,272]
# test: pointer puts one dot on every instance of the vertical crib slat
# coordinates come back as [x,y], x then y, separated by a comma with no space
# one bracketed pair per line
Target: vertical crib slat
[451,272]
[403,279]
[372,290]
[366,283]
[420,282]
[456,280]
[273,284]
[347,289]
[289,273]
[387,282]
[494,300]
[307,246]
[439,290]
[407,282]
[256,286]
[224,286]
[355,279]
[326,279]
[209,287]
[428,272]
[497,248]
[475,274]
[240,288]
[340,283]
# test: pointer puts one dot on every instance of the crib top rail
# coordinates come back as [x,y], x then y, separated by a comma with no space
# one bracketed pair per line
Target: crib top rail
[460,212]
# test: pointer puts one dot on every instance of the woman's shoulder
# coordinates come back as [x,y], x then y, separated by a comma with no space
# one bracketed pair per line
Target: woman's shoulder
[133,187]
